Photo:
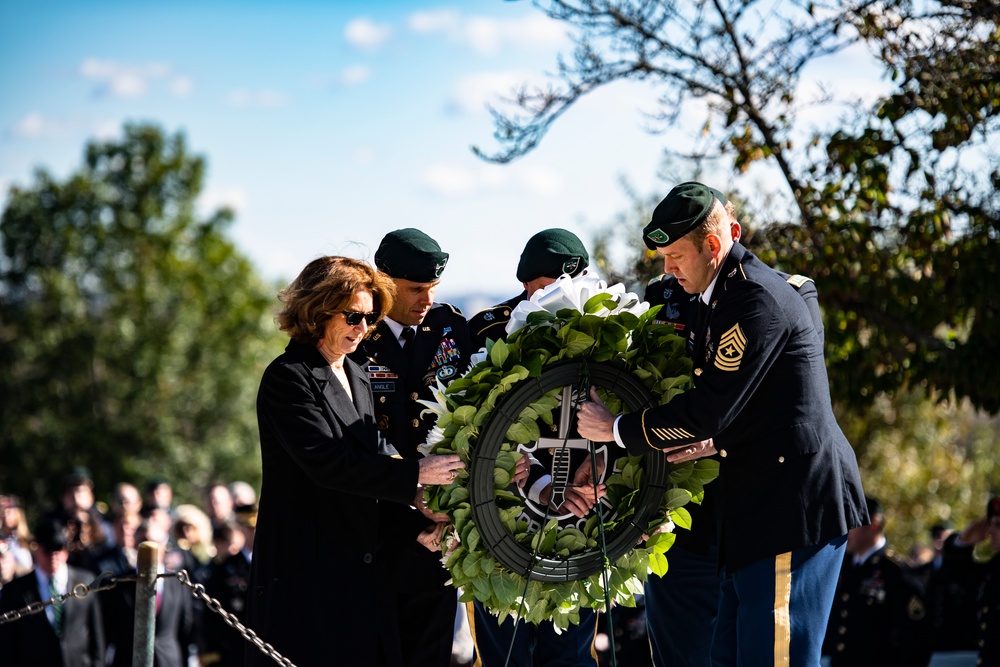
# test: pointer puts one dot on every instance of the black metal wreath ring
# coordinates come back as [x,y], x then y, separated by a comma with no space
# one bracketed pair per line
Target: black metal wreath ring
[495,535]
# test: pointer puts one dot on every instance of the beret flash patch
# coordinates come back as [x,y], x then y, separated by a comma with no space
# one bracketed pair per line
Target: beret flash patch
[730,349]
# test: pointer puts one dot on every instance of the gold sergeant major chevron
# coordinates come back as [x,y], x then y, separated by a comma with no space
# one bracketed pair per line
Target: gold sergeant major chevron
[730,349]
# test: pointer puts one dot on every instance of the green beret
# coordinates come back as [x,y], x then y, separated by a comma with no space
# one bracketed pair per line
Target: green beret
[411,255]
[684,208]
[551,253]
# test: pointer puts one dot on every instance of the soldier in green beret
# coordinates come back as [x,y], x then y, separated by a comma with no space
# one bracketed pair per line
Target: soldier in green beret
[419,342]
[546,256]
[761,401]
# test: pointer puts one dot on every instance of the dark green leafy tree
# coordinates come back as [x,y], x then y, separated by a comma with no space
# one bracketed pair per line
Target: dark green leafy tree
[892,209]
[132,332]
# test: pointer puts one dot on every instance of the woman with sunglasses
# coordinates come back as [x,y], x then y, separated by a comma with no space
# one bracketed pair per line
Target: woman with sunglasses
[315,572]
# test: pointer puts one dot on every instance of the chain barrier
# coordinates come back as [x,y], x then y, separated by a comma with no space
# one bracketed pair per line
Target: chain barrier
[198,591]
[106,581]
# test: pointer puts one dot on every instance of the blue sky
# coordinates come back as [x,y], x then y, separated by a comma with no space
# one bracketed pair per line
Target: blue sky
[328,124]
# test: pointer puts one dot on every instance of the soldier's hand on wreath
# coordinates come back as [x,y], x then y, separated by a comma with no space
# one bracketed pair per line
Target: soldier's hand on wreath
[594,421]
[695,450]
[430,537]
[581,496]
[521,469]
[439,469]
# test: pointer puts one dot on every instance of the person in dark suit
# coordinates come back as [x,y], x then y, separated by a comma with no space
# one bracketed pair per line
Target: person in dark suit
[228,582]
[417,345]
[879,614]
[547,255]
[67,635]
[315,588]
[789,484]
[681,605]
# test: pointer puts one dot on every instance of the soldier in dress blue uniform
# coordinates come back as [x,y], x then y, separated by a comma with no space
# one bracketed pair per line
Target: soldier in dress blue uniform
[682,604]
[789,484]
[879,615]
[546,256]
[419,343]
[985,576]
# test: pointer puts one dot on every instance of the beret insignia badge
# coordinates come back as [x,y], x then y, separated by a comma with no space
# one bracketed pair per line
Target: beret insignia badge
[439,268]
[730,349]
[571,265]
[658,236]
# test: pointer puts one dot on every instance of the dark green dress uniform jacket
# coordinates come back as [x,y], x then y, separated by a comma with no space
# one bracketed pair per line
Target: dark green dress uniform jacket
[315,583]
[441,351]
[879,615]
[788,478]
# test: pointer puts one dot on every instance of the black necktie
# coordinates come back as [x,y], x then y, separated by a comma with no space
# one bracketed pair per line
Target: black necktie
[407,336]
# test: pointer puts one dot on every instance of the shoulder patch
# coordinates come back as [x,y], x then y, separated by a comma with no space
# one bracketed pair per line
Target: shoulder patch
[454,309]
[656,279]
[798,281]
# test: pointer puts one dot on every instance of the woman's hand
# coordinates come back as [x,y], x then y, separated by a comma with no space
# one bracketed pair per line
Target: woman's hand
[439,469]
[430,538]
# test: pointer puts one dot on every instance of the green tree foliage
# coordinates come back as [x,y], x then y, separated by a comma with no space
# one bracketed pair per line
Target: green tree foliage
[927,461]
[893,210]
[132,332]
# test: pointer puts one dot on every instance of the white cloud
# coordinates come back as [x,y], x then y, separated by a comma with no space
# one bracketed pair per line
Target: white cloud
[472,93]
[212,199]
[355,75]
[257,99]
[123,80]
[540,180]
[181,86]
[366,34]
[106,129]
[34,125]
[487,35]
[441,20]
[455,180]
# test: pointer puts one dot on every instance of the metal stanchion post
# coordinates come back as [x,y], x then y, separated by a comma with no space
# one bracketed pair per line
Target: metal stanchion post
[145,605]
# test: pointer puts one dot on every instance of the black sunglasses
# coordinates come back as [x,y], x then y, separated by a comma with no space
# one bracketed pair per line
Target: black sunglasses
[354,318]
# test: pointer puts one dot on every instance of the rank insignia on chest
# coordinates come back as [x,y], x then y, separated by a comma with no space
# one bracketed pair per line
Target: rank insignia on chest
[380,373]
[488,317]
[731,347]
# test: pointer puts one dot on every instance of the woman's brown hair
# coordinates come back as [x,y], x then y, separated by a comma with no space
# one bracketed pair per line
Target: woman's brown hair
[325,287]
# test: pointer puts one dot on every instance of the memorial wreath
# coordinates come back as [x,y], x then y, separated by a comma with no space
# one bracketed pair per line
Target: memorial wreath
[547,569]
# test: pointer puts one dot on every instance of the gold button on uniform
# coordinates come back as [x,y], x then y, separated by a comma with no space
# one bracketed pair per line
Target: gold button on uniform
[415,423]
[723,453]
[414,396]
[381,399]
[781,459]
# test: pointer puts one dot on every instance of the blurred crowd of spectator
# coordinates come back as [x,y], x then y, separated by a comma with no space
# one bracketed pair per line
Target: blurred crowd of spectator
[938,599]
[76,539]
